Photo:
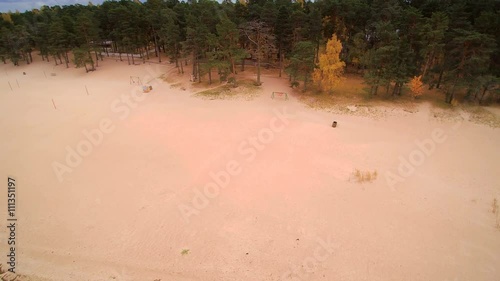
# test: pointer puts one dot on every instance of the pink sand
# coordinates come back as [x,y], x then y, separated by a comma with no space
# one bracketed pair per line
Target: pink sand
[116,215]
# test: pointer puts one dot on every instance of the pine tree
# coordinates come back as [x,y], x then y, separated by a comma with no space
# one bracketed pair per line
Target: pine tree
[468,57]
[88,34]
[227,44]
[59,38]
[302,61]
[357,48]
[196,42]
[170,35]
[82,58]
[156,18]
[283,32]
[261,39]
[433,41]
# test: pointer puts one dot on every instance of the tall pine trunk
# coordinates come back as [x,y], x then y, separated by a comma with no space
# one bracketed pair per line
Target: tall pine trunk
[194,66]
[258,58]
[428,63]
[450,93]
[233,66]
[198,71]
[66,59]
[281,62]
[91,61]
[96,59]
[440,79]
[397,89]
[485,89]
[157,50]
[316,56]
[106,50]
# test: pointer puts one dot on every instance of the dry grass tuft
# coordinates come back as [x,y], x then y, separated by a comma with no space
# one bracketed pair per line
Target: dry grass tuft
[175,85]
[353,91]
[364,176]
[242,88]
[480,115]
[496,212]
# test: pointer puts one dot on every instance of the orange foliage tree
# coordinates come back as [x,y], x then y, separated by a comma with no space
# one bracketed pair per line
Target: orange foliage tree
[330,68]
[416,86]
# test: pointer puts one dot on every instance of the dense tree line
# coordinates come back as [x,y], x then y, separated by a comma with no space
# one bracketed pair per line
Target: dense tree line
[453,45]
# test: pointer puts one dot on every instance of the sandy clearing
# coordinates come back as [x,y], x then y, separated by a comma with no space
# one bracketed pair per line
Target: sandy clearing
[116,215]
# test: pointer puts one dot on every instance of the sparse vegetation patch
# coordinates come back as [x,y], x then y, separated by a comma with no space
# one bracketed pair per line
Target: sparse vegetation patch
[364,176]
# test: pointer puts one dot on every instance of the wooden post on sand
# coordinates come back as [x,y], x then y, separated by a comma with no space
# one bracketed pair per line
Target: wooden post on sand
[86,90]
[54,104]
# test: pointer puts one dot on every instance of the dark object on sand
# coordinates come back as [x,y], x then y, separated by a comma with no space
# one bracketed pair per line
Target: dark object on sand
[334,124]
[24,73]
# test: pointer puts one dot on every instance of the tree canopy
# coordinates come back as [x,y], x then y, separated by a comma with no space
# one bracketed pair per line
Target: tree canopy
[451,45]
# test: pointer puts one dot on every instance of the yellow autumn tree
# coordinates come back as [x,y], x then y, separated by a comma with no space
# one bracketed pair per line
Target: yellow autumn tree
[6,17]
[416,86]
[330,68]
